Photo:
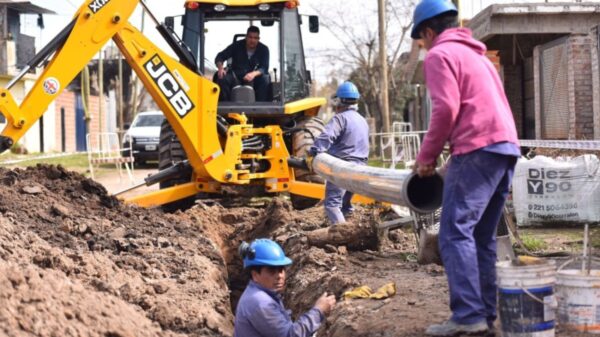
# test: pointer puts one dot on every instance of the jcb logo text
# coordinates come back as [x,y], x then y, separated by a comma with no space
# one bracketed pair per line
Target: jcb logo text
[169,86]
[97,5]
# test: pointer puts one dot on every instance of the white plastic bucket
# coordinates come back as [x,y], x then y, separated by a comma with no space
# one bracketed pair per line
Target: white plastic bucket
[578,298]
[526,303]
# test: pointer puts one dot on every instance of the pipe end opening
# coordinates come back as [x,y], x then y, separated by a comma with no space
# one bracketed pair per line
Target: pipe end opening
[424,195]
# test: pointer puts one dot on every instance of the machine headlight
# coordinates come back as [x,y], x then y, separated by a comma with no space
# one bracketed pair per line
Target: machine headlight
[220,7]
[264,7]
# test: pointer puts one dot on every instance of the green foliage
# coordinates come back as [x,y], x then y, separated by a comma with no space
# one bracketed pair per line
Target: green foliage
[533,244]
[74,162]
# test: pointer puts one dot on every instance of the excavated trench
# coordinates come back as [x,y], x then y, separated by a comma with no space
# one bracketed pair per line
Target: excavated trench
[77,262]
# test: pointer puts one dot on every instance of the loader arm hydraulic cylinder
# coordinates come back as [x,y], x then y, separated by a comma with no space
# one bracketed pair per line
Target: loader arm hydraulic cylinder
[92,26]
[43,54]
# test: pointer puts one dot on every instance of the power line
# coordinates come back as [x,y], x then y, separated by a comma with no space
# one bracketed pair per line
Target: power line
[72,5]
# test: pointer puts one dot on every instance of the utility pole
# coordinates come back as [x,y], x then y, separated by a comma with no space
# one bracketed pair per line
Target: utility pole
[100,88]
[120,96]
[385,103]
[134,94]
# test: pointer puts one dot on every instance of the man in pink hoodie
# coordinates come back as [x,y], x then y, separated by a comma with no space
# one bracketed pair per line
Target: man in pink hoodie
[470,112]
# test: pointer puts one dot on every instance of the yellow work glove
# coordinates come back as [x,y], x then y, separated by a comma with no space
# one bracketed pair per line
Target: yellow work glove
[358,292]
[385,291]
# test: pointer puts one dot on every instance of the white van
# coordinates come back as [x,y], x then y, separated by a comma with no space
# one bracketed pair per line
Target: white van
[144,135]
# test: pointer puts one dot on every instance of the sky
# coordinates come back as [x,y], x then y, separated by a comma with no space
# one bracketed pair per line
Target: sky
[313,43]
[316,45]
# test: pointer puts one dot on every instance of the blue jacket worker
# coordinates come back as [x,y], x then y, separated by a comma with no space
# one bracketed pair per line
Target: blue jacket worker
[346,137]
[260,311]
[249,66]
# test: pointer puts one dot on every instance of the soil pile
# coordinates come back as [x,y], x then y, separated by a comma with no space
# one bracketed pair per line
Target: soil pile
[75,261]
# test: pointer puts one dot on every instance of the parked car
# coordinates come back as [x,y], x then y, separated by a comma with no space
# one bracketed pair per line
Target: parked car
[144,136]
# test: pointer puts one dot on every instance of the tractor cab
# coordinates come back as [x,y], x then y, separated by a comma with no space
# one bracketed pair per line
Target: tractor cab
[209,27]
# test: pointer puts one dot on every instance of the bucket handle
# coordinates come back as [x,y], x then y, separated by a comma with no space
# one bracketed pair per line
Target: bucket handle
[553,305]
[574,259]
[569,261]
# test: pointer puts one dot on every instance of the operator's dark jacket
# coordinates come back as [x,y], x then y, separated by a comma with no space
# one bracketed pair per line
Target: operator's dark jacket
[240,63]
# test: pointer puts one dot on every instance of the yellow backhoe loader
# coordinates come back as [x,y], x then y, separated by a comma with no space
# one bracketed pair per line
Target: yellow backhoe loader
[204,144]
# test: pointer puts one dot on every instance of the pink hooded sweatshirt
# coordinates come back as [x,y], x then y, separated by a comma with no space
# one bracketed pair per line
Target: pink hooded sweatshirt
[470,109]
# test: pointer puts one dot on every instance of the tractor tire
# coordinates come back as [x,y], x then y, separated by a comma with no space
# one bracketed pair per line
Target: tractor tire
[309,128]
[170,152]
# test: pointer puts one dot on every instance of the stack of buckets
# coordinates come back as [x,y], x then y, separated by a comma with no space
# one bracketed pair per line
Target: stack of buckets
[532,295]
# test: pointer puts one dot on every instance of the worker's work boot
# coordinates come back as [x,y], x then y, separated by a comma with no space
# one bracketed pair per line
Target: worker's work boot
[450,328]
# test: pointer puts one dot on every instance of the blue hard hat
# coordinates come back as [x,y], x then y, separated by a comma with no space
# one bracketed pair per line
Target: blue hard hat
[263,252]
[347,90]
[428,9]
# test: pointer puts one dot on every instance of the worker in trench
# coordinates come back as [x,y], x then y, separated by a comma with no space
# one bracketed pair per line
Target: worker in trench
[346,137]
[260,311]
[471,112]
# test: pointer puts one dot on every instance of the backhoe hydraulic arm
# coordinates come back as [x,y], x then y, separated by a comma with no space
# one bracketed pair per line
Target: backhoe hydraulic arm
[188,101]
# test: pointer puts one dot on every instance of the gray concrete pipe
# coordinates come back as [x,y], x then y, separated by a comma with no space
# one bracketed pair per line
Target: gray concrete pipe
[400,187]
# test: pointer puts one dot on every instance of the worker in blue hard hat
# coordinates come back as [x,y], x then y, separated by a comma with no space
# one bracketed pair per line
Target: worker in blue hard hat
[346,137]
[470,111]
[260,311]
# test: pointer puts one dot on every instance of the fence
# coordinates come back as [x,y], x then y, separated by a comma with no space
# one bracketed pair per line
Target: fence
[105,148]
[399,146]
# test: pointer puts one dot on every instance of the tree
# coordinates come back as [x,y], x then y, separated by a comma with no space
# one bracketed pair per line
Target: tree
[356,57]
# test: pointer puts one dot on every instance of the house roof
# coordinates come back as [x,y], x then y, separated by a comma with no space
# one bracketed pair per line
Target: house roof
[236,3]
[25,7]
[535,18]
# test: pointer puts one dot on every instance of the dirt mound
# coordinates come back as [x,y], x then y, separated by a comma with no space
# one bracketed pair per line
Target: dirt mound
[81,263]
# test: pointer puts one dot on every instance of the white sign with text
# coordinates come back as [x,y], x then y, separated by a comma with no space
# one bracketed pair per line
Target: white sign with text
[546,190]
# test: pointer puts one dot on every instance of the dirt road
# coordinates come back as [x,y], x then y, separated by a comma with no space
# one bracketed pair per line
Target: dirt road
[115,183]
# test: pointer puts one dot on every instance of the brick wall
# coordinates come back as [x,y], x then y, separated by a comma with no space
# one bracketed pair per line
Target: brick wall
[528,121]
[67,100]
[580,88]
[537,95]
[513,87]
[581,119]
[595,74]
[512,77]
[495,58]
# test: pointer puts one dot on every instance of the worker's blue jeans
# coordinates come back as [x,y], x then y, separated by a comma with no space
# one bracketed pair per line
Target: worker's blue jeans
[337,203]
[337,200]
[475,188]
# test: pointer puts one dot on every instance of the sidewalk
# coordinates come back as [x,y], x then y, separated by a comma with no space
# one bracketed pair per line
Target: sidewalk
[113,184]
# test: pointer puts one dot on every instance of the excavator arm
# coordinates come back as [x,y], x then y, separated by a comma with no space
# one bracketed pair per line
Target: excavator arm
[188,100]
